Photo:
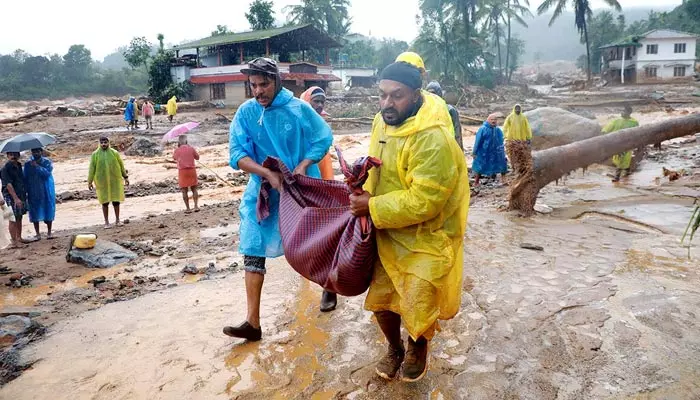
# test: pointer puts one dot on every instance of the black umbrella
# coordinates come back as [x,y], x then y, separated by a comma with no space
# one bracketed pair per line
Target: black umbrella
[26,141]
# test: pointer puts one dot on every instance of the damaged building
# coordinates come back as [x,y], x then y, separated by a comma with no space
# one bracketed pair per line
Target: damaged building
[302,52]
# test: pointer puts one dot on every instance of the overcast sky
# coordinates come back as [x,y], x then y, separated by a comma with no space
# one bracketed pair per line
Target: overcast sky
[50,26]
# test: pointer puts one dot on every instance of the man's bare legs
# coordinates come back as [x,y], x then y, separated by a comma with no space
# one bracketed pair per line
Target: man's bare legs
[253,290]
[105,214]
[116,212]
[195,198]
[186,198]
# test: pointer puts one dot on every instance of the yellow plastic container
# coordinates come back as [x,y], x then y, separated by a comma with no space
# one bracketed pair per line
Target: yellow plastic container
[85,241]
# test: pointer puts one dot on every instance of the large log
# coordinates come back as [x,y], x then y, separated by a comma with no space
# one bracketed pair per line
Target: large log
[551,164]
[24,117]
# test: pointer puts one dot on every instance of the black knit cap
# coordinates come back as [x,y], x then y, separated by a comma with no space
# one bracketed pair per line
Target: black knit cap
[403,73]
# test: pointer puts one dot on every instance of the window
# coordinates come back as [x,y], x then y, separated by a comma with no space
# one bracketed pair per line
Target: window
[652,49]
[218,91]
[678,71]
[679,48]
[650,72]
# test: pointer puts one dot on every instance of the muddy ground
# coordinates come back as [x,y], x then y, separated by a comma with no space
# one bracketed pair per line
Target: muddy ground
[607,310]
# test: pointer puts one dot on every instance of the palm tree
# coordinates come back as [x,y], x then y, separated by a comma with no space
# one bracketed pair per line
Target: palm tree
[493,14]
[582,11]
[332,16]
[515,11]
[161,37]
[436,10]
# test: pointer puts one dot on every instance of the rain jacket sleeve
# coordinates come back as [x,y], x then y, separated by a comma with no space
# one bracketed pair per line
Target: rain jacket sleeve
[240,143]
[317,133]
[431,176]
[478,141]
[93,167]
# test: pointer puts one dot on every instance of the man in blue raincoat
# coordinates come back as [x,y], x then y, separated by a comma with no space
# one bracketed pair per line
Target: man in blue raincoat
[41,193]
[489,153]
[276,124]
[129,113]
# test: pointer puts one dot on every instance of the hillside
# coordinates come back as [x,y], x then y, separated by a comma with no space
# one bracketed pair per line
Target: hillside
[561,41]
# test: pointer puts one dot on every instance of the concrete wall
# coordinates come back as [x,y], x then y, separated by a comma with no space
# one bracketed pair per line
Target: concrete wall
[665,54]
[235,94]
[180,74]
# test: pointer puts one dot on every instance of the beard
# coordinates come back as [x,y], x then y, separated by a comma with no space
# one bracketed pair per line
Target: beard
[393,117]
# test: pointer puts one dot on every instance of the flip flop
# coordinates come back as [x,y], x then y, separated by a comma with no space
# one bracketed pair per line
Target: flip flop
[108,226]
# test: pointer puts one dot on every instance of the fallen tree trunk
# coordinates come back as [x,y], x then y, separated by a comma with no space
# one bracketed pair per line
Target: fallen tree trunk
[551,164]
[24,117]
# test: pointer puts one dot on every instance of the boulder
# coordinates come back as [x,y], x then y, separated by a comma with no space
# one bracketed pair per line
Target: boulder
[104,255]
[15,327]
[552,127]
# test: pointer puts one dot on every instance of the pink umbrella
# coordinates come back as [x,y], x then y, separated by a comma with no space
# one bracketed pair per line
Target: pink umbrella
[180,130]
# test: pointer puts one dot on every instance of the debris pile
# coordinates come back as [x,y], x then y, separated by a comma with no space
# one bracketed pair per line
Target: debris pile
[145,148]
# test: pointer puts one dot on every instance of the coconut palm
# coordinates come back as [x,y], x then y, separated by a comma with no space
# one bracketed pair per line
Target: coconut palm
[515,11]
[582,11]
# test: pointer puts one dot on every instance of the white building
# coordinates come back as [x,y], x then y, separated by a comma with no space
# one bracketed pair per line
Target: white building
[659,55]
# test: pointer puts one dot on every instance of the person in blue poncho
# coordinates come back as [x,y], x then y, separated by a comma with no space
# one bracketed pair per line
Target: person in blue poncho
[277,124]
[41,193]
[129,113]
[489,153]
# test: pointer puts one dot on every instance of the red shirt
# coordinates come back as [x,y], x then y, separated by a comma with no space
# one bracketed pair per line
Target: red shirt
[185,156]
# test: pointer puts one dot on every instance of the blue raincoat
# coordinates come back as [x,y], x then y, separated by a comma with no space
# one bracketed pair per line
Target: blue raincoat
[489,154]
[41,193]
[129,111]
[288,129]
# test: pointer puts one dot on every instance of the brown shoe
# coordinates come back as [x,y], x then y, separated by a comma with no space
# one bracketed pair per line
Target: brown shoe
[244,331]
[416,364]
[390,364]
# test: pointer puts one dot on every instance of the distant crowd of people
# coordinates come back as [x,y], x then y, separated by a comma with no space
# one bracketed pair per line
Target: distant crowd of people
[147,109]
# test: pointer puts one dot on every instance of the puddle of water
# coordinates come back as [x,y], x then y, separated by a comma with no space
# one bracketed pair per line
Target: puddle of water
[669,217]
[29,296]
[302,353]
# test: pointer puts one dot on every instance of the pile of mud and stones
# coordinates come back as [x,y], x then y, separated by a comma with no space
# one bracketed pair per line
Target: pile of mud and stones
[16,331]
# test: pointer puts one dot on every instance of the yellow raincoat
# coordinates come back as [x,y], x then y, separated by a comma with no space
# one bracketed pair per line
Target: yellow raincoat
[622,160]
[419,207]
[171,107]
[108,173]
[517,127]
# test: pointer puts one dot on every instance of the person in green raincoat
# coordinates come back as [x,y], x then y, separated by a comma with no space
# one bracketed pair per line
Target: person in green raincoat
[108,176]
[622,161]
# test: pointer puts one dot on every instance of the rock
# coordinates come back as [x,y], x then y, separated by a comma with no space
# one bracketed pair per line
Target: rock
[553,127]
[126,222]
[144,147]
[171,285]
[161,226]
[543,209]
[104,255]
[66,196]
[24,311]
[190,269]
[98,280]
[14,327]
[529,246]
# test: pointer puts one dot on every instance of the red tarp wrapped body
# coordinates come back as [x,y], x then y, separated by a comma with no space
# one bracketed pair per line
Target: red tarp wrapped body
[322,240]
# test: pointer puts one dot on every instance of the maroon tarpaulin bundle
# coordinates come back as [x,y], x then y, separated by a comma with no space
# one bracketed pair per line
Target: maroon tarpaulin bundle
[322,240]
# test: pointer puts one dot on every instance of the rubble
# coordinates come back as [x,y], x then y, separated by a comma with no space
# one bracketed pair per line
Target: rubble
[145,148]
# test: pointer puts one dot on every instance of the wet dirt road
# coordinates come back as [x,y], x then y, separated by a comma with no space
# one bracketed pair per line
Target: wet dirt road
[607,310]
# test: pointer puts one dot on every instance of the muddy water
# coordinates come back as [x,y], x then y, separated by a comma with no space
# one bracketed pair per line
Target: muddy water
[600,313]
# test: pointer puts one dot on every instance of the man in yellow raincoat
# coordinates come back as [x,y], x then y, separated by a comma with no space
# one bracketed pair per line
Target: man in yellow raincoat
[108,175]
[171,107]
[517,132]
[418,201]
[622,161]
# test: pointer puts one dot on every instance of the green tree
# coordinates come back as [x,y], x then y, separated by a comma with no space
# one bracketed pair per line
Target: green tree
[516,49]
[582,12]
[138,52]
[260,15]
[331,16]
[220,30]
[603,28]
[77,62]
[388,51]
[161,45]
[514,11]
[361,53]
